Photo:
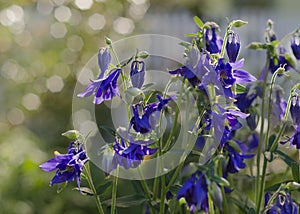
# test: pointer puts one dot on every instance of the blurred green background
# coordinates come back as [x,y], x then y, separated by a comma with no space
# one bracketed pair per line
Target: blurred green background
[43,46]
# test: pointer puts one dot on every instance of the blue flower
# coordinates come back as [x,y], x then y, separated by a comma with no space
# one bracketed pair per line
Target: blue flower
[295,113]
[137,73]
[235,159]
[278,61]
[283,204]
[244,100]
[69,166]
[103,89]
[295,45]
[104,59]
[278,109]
[131,154]
[213,42]
[295,110]
[142,124]
[233,46]
[195,191]
[230,73]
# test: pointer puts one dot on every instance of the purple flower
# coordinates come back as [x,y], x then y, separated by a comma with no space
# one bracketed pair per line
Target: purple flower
[235,159]
[213,42]
[103,89]
[295,113]
[233,46]
[137,73]
[295,110]
[278,61]
[103,61]
[195,191]
[283,204]
[295,45]
[278,109]
[230,73]
[142,124]
[131,154]
[244,100]
[69,166]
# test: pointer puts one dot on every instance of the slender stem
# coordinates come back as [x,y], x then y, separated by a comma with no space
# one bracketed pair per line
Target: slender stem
[91,184]
[114,192]
[261,135]
[162,195]
[220,172]
[176,118]
[210,205]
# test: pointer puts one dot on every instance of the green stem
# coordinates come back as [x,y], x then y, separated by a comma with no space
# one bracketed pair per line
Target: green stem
[114,192]
[91,184]
[162,195]
[220,172]
[210,205]
[263,178]
[261,135]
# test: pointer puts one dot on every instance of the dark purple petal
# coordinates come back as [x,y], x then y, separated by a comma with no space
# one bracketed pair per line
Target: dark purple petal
[233,46]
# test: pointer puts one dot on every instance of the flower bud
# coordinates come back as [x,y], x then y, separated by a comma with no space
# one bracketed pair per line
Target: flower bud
[295,110]
[137,73]
[295,45]
[233,46]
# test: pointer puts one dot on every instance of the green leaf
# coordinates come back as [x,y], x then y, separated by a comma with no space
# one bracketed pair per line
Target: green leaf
[271,141]
[174,188]
[133,91]
[108,130]
[257,46]
[240,89]
[287,159]
[220,181]
[295,171]
[238,23]
[128,201]
[190,35]
[185,44]
[84,190]
[61,187]
[71,134]
[198,22]
[104,187]
[143,54]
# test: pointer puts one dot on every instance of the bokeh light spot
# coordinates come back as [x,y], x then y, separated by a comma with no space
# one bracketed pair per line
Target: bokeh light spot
[15,116]
[58,30]
[31,101]
[55,84]
[84,4]
[123,25]
[96,21]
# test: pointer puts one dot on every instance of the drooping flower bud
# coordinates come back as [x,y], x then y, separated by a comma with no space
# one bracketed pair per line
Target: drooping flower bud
[233,46]
[137,73]
[295,45]
[295,110]
[213,42]
[104,59]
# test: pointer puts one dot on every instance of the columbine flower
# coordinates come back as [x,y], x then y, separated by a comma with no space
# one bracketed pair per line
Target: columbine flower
[137,73]
[194,68]
[69,166]
[195,191]
[295,45]
[295,113]
[142,124]
[295,110]
[278,109]
[103,61]
[244,100]
[225,122]
[235,159]
[279,61]
[283,204]
[230,73]
[233,46]
[103,88]
[213,42]
[130,155]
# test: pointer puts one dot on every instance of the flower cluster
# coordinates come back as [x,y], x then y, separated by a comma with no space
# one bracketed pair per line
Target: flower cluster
[240,117]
